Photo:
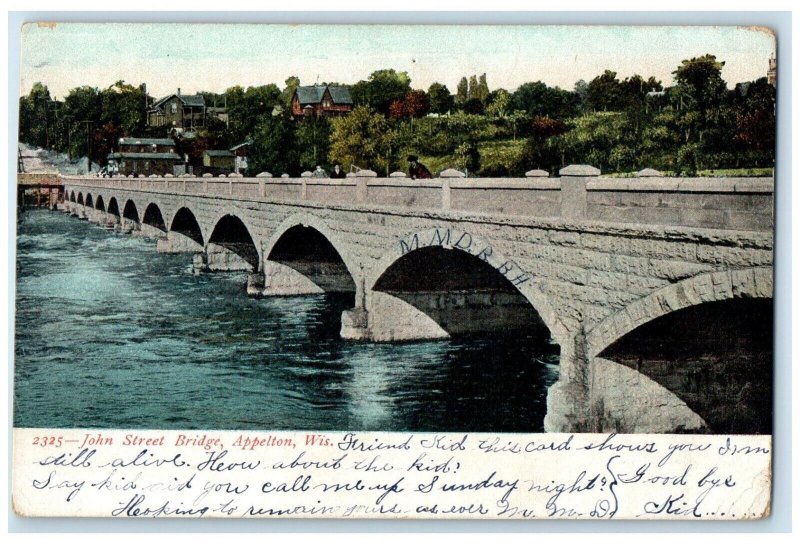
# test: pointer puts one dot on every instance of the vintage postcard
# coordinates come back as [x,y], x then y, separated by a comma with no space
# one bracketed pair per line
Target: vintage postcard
[377,271]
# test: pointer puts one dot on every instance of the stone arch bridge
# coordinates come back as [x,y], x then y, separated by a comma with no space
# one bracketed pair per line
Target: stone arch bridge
[657,291]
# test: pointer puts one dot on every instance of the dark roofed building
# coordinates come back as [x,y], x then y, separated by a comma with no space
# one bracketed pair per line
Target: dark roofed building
[146,145]
[183,111]
[144,156]
[321,100]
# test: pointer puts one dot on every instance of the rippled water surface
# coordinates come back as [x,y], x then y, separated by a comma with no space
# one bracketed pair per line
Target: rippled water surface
[110,333]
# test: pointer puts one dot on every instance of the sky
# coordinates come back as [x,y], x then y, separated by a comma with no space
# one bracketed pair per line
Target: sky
[213,57]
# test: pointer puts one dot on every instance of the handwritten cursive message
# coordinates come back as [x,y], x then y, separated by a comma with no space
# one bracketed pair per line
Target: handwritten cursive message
[222,474]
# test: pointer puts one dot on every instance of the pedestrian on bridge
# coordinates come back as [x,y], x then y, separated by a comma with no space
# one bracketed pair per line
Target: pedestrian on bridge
[337,172]
[417,170]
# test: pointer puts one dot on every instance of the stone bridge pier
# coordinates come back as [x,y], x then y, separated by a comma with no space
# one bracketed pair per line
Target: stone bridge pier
[656,292]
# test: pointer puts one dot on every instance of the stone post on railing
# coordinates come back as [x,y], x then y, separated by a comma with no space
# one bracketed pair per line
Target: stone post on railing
[362,176]
[573,189]
[446,176]
[262,186]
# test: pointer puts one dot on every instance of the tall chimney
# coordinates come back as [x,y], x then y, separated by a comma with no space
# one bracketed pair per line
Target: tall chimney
[179,91]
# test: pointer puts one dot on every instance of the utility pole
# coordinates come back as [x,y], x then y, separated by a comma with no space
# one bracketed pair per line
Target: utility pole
[46,132]
[55,104]
[88,122]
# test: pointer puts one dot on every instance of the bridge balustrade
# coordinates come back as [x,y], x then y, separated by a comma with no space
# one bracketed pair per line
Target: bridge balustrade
[579,194]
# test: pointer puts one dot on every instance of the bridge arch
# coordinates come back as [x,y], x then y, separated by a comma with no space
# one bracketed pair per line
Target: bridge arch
[72,196]
[459,250]
[89,201]
[723,285]
[185,223]
[231,245]
[99,203]
[113,208]
[307,245]
[80,199]
[130,211]
[153,217]
[704,343]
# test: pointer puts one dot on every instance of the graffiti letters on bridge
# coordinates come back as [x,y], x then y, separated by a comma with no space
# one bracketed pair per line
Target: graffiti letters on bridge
[464,241]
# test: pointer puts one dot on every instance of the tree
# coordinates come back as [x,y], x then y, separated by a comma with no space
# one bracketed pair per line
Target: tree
[604,92]
[246,107]
[272,148]
[541,149]
[123,105]
[104,140]
[482,89]
[634,99]
[536,98]
[462,91]
[364,139]
[472,88]
[417,104]
[474,106]
[440,99]
[701,96]
[756,129]
[291,85]
[83,107]
[499,103]
[34,116]
[468,157]
[383,87]
[581,91]
[701,79]
[312,141]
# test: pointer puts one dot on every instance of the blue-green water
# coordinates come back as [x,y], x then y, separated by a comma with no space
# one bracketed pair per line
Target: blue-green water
[110,333]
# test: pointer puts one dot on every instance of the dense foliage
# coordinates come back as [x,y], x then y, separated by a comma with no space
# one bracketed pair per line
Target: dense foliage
[617,125]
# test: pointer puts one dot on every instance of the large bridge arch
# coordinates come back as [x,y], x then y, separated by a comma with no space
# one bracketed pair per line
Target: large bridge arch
[153,223]
[113,209]
[232,244]
[184,222]
[129,211]
[99,203]
[113,206]
[80,199]
[694,355]
[72,196]
[89,202]
[304,255]
[717,286]
[471,248]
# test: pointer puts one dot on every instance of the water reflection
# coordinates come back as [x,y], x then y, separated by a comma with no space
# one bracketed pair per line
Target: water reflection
[112,334]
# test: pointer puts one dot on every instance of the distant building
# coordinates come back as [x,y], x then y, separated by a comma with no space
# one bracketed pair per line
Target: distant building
[218,161]
[240,152]
[144,156]
[321,100]
[772,71]
[178,111]
[183,112]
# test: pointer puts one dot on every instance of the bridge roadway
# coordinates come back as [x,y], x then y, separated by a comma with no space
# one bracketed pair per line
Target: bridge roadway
[589,262]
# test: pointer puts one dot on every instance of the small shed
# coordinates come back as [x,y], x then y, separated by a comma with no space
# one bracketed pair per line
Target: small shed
[219,159]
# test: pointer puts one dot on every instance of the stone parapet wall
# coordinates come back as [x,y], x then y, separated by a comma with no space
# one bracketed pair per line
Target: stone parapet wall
[717,203]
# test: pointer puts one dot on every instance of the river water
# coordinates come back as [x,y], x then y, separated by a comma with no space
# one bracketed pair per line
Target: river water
[112,334]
